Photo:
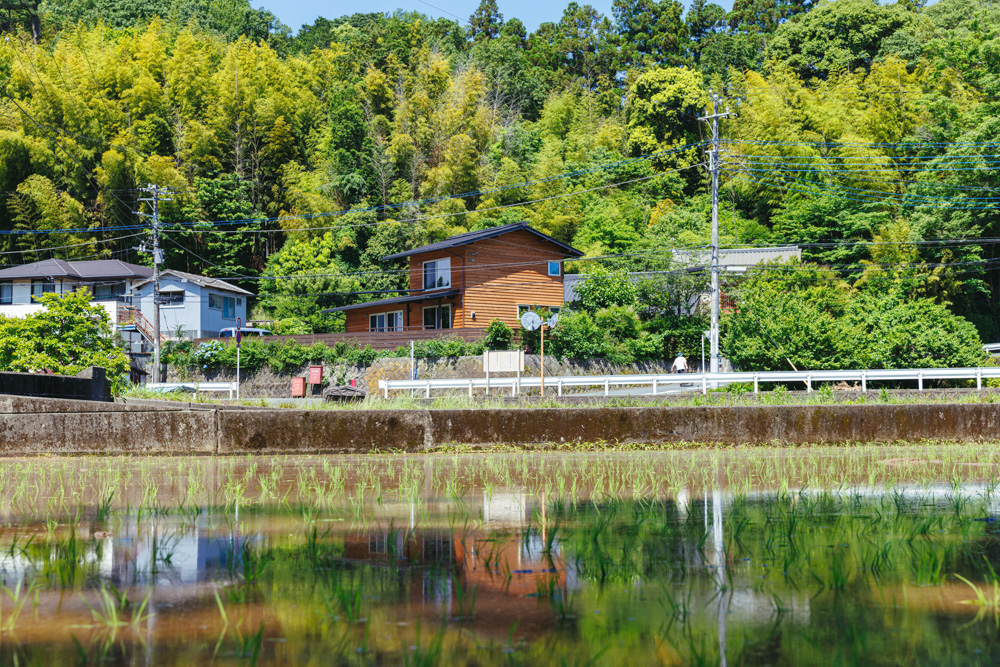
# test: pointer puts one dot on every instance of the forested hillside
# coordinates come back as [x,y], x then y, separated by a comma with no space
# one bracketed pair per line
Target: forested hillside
[867,131]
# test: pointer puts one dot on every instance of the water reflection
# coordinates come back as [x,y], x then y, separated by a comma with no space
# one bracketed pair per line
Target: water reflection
[361,563]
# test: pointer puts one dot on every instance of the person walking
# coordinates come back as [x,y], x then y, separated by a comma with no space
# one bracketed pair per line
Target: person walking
[680,364]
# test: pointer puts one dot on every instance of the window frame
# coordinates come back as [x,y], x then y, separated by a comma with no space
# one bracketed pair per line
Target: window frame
[522,308]
[9,301]
[558,267]
[436,263]
[217,298]
[423,318]
[386,326]
[446,323]
[176,299]
[232,300]
[48,287]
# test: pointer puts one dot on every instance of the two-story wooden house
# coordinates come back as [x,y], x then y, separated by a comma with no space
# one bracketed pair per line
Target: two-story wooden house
[468,280]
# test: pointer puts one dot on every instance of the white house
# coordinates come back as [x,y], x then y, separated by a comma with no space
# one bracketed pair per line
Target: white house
[194,306]
[108,280]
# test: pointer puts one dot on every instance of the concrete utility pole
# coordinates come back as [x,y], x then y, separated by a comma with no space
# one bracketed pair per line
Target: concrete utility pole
[157,194]
[714,164]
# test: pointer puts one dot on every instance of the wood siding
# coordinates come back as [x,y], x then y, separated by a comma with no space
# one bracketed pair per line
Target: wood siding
[493,276]
[413,313]
[509,270]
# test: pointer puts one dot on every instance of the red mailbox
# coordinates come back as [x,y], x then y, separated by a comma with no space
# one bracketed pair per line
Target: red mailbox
[298,387]
[315,375]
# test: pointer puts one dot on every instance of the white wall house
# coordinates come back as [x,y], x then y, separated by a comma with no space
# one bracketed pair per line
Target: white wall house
[194,306]
[107,279]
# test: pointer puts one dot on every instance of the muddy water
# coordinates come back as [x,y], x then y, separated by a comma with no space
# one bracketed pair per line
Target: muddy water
[863,555]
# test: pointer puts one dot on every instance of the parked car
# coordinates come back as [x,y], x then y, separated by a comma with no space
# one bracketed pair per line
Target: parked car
[248,332]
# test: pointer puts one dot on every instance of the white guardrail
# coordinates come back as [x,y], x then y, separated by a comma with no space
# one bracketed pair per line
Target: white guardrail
[703,379]
[194,387]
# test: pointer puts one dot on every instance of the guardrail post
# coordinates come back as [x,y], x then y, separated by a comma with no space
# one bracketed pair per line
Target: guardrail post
[560,386]
[756,390]
[920,381]
[979,379]
[513,387]
[704,385]
[864,383]
[470,388]
[607,385]
[654,385]
[386,386]
[809,384]
[428,394]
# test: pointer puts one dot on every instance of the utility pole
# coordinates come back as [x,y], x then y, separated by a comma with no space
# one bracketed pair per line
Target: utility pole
[714,164]
[157,194]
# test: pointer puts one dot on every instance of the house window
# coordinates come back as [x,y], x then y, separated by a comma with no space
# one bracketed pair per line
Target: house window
[228,308]
[555,268]
[437,274]
[215,301]
[437,318]
[108,291]
[541,310]
[40,287]
[172,298]
[386,321]
[6,293]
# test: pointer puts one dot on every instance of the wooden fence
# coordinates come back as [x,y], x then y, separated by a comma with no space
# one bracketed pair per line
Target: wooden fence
[378,340]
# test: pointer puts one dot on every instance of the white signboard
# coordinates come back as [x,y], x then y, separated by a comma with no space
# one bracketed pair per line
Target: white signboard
[503,361]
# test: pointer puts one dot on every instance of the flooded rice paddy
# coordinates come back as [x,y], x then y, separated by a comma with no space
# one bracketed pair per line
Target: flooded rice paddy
[862,555]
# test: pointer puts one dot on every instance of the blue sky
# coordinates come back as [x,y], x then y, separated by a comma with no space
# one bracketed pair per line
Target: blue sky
[296,13]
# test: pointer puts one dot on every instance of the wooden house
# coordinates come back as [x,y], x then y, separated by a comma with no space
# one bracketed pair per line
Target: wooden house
[467,280]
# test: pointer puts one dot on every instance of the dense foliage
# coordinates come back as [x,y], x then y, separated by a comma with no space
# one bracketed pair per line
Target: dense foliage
[67,335]
[289,356]
[301,159]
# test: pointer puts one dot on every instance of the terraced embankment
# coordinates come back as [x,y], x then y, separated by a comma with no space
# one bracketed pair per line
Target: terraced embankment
[38,426]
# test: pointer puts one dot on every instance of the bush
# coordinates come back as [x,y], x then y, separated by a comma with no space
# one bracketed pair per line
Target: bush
[615,334]
[498,336]
[838,327]
[288,356]
[291,326]
[603,289]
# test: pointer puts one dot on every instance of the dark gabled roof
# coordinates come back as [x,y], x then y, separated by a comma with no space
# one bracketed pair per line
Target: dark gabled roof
[204,281]
[423,296]
[482,234]
[82,270]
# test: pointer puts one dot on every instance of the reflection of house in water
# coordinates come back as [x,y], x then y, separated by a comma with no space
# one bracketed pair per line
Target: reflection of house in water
[508,561]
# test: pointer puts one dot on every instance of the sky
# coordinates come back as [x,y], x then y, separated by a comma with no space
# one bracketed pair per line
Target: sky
[296,13]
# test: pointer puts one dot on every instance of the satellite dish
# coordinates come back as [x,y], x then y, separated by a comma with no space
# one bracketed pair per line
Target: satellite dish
[553,320]
[530,320]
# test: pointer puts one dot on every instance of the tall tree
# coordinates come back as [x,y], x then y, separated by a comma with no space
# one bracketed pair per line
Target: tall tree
[650,32]
[486,21]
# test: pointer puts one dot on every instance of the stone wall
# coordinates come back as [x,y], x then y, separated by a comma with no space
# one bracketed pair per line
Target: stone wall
[265,383]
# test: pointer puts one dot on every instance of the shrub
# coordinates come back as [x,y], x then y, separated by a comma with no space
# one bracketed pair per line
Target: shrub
[498,336]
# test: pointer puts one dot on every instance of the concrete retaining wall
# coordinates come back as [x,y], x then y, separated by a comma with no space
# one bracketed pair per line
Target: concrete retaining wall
[90,384]
[61,427]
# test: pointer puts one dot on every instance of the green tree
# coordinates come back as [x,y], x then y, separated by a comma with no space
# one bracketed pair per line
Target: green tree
[486,21]
[66,336]
[837,36]
[650,33]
